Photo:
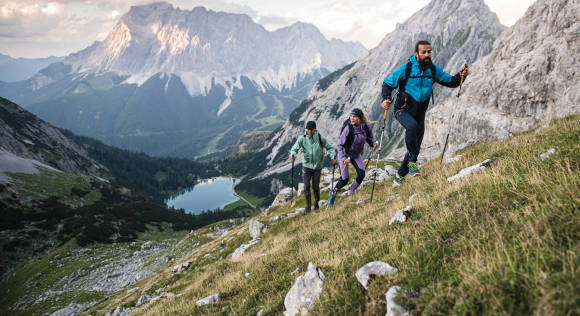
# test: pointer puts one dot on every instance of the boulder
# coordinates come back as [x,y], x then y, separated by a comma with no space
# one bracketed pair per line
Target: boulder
[390,170]
[163,295]
[305,291]
[453,159]
[547,154]
[376,268]
[469,170]
[283,196]
[381,175]
[241,249]
[143,299]
[401,215]
[255,228]
[300,189]
[208,300]
[394,309]
[182,267]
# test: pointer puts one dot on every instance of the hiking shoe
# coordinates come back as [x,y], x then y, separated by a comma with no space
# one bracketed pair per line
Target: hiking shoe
[397,181]
[414,169]
[307,211]
[331,197]
[316,205]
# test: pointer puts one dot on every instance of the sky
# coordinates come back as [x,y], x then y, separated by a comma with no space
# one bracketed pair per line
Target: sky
[42,28]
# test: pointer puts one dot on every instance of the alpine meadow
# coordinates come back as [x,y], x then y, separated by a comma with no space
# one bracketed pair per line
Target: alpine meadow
[248,158]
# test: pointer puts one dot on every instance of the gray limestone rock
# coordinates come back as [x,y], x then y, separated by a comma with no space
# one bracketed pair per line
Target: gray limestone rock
[469,170]
[547,154]
[72,309]
[401,215]
[283,196]
[240,250]
[376,268]
[182,267]
[394,309]
[208,300]
[305,291]
[255,228]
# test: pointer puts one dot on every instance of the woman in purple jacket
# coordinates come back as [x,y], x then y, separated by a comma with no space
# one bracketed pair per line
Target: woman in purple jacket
[354,134]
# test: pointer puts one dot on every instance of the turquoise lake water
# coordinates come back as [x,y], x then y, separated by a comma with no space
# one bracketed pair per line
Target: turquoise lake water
[206,195]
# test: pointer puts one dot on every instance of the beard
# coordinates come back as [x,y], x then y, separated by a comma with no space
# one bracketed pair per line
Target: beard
[425,63]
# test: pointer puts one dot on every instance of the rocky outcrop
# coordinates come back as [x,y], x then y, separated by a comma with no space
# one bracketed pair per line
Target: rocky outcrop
[283,196]
[530,77]
[373,268]
[394,309]
[181,267]
[469,170]
[305,291]
[72,309]
[547,154]
[208,300]
[401,215]
[255,228]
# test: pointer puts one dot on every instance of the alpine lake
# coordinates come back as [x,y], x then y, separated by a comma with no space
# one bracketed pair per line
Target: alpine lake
[208,194]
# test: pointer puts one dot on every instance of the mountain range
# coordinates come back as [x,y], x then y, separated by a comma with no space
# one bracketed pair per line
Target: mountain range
[172,82]
[17,69]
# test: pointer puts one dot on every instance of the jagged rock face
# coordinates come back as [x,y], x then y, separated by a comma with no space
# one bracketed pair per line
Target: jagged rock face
[458,30]
[26,136]
[529,78]
[204,46]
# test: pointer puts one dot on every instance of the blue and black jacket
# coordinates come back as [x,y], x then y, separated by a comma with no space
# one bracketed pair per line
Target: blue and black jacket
[417,87]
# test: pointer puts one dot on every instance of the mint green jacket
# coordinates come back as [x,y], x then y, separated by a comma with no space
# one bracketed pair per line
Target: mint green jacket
[313,152]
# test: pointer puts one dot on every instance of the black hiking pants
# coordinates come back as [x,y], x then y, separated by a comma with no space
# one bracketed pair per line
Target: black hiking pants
[314,176]
[414,130]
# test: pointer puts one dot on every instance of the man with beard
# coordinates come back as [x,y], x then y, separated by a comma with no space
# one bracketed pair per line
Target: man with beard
[415,81]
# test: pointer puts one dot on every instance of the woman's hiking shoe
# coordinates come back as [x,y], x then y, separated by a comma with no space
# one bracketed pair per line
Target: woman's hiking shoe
[414,169]
[397,181]
[331,197]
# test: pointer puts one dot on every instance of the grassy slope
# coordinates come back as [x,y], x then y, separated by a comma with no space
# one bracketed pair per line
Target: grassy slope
[502,242]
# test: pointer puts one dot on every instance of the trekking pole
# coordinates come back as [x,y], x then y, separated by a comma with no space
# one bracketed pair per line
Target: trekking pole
[332,182]
[452,117]
[344,168]
[379,153]
[369,158]
[292,180]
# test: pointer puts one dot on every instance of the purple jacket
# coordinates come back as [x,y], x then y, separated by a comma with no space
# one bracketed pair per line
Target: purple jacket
[358,141]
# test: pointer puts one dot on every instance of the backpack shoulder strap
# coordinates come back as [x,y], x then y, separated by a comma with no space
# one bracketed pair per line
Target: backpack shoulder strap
[320,140]
[368,134]
[403,81]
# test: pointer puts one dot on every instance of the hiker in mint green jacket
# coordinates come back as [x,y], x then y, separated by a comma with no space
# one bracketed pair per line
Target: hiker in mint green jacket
[313,144]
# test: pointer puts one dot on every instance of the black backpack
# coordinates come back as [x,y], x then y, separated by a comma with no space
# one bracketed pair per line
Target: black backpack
[403,82]
[350,136]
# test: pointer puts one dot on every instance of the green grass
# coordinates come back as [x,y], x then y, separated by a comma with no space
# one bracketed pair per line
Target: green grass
[499,242]
[49,183]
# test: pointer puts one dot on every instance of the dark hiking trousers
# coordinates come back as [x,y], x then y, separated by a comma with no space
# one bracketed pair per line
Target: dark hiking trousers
[314,176]
[360,175]
[414,130]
